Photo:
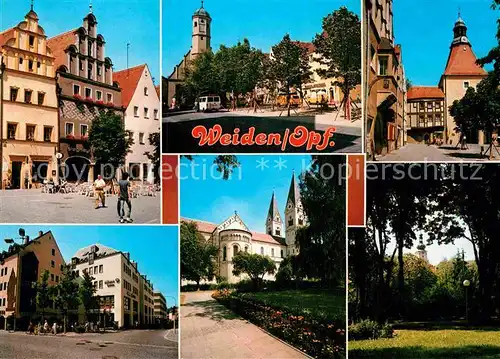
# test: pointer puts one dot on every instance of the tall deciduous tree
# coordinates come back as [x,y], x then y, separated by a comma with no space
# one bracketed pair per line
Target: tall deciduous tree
[322,250]
[155,156]
[198,256]
[109,140]
[86,294]
[64,295]
[339,49]
[254,265]
[225,164]
[289,65]
[43,293]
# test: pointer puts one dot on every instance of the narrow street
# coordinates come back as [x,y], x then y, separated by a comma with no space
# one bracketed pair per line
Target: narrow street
[413,152]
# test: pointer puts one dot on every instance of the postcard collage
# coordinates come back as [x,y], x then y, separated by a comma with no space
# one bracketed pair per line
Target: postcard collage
[249,179]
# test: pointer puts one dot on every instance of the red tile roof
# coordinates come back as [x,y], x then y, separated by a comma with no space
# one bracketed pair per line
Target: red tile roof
[6,36]
[128,80]
[58,44]
[309,46]
[208,227]
[462,61]
[421,92]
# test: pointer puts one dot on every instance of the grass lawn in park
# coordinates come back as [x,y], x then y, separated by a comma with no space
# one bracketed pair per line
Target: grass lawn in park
[449,343]
[319,304]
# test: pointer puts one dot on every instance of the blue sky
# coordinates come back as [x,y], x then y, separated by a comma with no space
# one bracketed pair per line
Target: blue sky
[263,22]
[155,248]
[119,21]
[248,192]
[425,30]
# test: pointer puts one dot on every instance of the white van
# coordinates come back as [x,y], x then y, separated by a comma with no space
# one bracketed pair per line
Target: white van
[209,103]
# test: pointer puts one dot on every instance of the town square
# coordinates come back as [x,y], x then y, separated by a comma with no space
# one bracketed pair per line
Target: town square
[70,124]
[240,80]
[81,291]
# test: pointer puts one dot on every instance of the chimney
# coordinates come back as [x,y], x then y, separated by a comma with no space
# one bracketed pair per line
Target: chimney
[40,233]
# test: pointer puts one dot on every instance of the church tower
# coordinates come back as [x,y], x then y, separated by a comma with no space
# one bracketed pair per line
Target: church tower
[461,72]
[294,217]
[421,252]
[274,223]
[201,31]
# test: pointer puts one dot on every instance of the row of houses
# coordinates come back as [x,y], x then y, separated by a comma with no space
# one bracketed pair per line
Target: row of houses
[126,296]
[52,88]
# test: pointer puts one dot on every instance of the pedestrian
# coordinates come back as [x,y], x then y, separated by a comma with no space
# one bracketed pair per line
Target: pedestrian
[31,328]
[46,327]
[124,197]
[54,328]
[99,185]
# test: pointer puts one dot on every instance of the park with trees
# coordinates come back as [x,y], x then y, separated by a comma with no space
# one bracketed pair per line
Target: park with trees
[400,305]
[304,304]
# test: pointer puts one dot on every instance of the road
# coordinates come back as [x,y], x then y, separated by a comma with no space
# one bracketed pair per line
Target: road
[134,344]
[209,330]
[32,206]
[413,152]
[177,138]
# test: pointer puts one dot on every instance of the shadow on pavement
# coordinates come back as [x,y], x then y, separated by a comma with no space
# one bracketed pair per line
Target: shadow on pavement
[467,155]
[468,351]
[212,310]
[178,139]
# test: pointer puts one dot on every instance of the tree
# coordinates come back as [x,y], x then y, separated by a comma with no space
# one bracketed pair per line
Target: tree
[225,164]
[109,140]
[201,77]
[43,293]
[64,296]
[198,256]
[339,50]
[254,265]
[322,250]
[86,294]
[289,65]
[155,156]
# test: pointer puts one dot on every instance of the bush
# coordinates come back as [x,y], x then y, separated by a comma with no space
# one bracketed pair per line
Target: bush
[369,329]
[224,285]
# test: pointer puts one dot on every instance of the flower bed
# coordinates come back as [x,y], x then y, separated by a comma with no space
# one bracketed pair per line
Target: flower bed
[318,338]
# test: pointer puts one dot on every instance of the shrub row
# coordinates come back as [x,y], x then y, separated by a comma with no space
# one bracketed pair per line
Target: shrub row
[320,339]
[369,329]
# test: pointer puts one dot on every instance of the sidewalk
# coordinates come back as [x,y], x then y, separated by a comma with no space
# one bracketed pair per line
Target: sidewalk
[209,330]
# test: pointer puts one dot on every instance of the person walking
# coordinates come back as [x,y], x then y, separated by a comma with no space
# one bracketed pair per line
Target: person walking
[124,197]
[99,185]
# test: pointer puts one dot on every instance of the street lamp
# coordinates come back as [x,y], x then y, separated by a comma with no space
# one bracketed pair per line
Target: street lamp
[466,284]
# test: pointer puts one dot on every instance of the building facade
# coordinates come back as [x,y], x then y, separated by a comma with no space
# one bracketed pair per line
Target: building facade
[142,114]
[29,140]
[385,81]
[160,305]
[461,72]
[201,26]
[146,295]
[426,114]
[85,90]
[20,267]
[278,241]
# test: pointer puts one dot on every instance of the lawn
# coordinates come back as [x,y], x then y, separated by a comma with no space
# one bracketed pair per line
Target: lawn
[452,343]
[320,304]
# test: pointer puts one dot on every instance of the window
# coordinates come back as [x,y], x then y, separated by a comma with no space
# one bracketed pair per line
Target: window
[27,96]
[89,71]
[135,170]
[421,106]
[141,138]
[145,91]
[146,112]
[246,249]
[278,232]
[136,111]
[88,92]
[224,253]
[53,252]
[91,270]
[282,253]
[11,131]
[69,128]
[52,277]
[383,65]
[38,64]
[41,98]
[84,130]
[101,268]
[98,95]
[95,269]
[100,284]
[47,134]
[57,278]
[235,250]
[438,106]
[81,65]
[20,61]
[301,221]
[99,71]
[272,252]
[155,112]
[30,132]
[262,250]
[32,41]
[52,264]
[30,65]
[76,89]
[429,106]
[109,97]
[466,84]
[13,93]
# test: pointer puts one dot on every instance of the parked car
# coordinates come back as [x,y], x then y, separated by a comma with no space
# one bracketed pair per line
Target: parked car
[294,100]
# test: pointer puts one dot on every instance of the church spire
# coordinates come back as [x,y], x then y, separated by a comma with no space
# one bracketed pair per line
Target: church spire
[293,192]
[460,32]
[273,211]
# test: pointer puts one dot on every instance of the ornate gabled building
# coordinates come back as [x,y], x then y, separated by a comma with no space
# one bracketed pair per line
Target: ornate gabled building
[461,72]
[30,121]
[233,235]
[200,42]
[85,89]
[426,114]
